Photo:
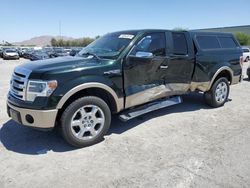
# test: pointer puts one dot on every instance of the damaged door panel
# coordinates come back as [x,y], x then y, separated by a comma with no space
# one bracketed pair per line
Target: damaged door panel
[180,62]
[143,77]
[147,79]
[143,80]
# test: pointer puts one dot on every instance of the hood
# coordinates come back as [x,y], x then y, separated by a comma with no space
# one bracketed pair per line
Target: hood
[11,53]
[62,63]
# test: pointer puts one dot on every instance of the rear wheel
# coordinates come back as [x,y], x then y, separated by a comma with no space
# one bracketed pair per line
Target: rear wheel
[85,121]
[247,59]
[218,94]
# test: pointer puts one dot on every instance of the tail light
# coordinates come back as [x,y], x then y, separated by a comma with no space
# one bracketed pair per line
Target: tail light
[241,61]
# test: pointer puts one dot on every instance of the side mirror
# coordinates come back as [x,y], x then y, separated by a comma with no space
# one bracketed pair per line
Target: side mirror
[144,54]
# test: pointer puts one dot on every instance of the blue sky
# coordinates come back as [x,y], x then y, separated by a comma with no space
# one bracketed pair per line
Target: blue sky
[23,19]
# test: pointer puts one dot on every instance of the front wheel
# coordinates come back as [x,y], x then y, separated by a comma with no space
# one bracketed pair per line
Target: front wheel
[218,94]
[85,121]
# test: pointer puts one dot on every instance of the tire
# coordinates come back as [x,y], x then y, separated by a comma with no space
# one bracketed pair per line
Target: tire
[85,121]
[247,59]
[218,94]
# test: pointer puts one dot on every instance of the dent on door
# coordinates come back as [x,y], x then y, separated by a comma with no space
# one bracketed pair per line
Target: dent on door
[150,79]
[144,81]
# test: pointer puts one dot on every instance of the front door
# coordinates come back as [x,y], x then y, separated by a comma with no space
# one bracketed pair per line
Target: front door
[143,76]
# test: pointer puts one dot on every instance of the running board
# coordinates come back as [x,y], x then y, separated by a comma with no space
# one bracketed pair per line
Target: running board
[135,112]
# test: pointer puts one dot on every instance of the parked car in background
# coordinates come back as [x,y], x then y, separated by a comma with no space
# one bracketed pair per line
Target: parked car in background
[10,54]
[38,55]
[2,50]
[50,51]
[67,50]
[59,52]
[246,54]
[19,51]
[27,53]
[22,50]
[75,51]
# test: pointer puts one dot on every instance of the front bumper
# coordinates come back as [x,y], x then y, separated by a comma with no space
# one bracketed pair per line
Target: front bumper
[33,118]
[11,57]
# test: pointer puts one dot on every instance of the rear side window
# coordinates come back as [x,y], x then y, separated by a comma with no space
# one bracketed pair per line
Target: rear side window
[245,50]
[180,44]
[208,42]
[227,42]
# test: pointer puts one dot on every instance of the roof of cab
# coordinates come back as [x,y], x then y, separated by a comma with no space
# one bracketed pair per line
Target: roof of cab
[192,32]
[140,31]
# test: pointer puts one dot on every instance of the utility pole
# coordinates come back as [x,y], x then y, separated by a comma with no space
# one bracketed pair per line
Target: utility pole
[60,32]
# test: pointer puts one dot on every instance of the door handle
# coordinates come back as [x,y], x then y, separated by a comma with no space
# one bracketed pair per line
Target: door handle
[163,66]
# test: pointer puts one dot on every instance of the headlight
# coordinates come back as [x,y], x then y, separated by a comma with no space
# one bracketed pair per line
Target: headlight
[40,89]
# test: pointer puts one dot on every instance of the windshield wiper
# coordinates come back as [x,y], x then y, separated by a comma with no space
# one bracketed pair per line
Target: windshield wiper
[92,54]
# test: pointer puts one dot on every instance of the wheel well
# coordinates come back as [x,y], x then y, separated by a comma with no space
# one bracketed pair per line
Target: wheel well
[225,74]
[98,92]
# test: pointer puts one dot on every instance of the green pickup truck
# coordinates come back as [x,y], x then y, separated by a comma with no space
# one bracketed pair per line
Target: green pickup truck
[128,73]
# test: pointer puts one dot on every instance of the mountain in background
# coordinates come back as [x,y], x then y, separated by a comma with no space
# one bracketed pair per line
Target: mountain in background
[41,40]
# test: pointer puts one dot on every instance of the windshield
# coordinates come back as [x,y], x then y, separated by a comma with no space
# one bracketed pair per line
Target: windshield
[10,51]
[108,46]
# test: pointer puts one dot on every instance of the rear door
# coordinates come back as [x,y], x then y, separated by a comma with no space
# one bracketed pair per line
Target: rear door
[180,63]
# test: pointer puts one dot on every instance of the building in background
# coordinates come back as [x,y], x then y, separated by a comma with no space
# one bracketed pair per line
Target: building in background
[234,29]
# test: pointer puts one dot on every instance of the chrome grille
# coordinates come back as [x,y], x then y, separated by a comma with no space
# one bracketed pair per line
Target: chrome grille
[18,83]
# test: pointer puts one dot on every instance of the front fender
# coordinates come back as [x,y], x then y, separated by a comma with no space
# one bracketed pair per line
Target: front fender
[91,82]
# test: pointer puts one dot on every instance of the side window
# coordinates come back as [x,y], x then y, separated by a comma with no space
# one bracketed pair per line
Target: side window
[208,42]
[179,44]
[154,43]
[227,42]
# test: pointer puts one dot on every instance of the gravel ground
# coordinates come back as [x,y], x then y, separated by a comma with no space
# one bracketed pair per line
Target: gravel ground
[187,145]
